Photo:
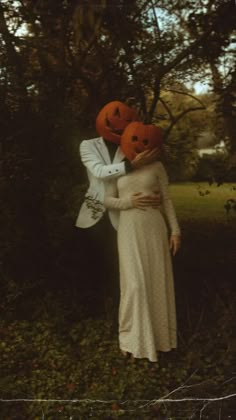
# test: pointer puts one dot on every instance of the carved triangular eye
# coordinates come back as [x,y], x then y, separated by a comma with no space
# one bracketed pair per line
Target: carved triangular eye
[108,124]
[134,138]
[117,113]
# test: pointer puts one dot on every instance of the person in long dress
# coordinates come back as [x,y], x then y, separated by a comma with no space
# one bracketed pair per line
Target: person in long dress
[104,162]
[147,313]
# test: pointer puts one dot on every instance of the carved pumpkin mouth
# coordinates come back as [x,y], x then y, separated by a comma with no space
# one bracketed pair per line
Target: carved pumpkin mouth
[116,131]
[137,150]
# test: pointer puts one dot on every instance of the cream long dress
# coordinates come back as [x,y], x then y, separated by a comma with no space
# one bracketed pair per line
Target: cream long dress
[147,316]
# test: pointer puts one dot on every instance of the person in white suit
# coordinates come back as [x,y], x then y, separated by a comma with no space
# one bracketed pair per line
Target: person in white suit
[96,155]
[105,162]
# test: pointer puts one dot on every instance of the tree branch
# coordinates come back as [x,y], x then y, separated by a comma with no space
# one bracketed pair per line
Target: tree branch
[157,89]
[222,13]
[187,94]
[167,109]
[158,31]
[181,115]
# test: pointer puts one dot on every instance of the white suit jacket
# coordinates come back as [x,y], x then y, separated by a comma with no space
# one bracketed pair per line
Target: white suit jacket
[102,174]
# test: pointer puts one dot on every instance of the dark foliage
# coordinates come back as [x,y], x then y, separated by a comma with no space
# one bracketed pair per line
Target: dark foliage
[215,168]
[52,349]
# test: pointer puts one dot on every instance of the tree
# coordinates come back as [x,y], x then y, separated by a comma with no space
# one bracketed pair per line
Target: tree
[61,61]
[216,56]
[77,49]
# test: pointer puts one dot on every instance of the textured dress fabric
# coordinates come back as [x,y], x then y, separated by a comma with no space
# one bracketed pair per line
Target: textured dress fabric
[147,313]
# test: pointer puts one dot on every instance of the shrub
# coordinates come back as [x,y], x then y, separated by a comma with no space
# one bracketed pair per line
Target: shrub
[215,168]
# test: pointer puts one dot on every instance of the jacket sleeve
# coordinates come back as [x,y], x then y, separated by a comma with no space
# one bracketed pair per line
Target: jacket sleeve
[95,163]
[112,201]
[167,202]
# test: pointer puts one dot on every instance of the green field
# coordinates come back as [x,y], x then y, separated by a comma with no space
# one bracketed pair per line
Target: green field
[191,205]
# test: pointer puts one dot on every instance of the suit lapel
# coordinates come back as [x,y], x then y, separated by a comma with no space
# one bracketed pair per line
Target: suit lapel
[119,156]
[103,150]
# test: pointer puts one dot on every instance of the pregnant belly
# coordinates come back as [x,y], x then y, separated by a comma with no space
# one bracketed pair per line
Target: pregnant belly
[142,224]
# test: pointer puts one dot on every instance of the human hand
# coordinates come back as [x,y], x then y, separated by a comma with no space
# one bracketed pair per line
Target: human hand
[140,201]
[146,157]
[175,242]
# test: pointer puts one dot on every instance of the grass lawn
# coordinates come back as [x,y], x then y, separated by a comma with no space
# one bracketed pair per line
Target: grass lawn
[191,205]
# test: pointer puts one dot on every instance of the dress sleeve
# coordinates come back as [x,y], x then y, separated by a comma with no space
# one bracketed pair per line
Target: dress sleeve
[96,165]
[167,202]
[112,201]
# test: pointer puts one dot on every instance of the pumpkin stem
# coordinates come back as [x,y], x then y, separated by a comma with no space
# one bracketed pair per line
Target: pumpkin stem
[147,119]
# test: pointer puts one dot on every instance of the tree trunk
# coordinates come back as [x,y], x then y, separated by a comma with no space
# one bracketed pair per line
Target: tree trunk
[226,104]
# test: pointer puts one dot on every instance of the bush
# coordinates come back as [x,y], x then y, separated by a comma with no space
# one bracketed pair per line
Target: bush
[215,168]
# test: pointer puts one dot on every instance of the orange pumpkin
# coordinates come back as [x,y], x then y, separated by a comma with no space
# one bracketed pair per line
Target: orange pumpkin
[139,137]
[113,119]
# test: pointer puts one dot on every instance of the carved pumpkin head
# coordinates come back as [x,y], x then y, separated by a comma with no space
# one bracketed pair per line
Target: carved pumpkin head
[139,137]
[113,119]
